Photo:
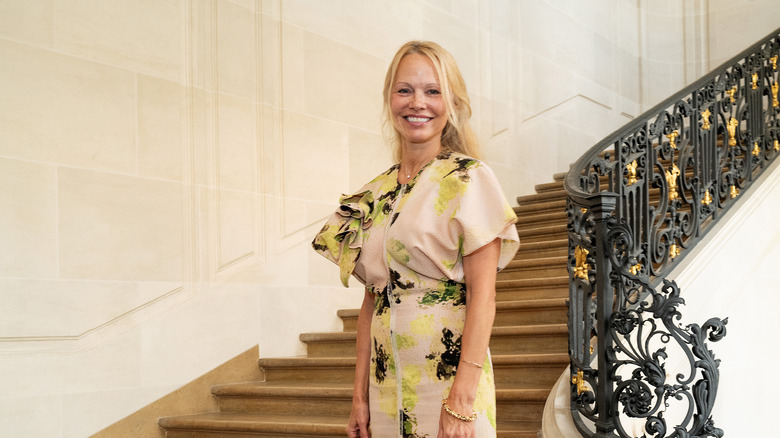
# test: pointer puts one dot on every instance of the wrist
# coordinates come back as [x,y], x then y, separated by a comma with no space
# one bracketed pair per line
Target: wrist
[461,397]
[466,416]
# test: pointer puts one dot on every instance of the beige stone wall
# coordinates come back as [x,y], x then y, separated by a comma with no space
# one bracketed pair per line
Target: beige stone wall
[164,164]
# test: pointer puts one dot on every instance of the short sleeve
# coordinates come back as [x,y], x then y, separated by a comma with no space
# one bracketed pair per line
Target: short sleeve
[341,238]
[484,215]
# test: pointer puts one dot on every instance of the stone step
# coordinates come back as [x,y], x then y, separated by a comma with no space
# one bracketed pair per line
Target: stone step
[556,206]
[531,312]
[542,338]
[310,369]
[246,425]
[251,425]
[540,368]
[539,233]
[508,312]
[542,197]
[543,217]
[548,248]
[540,267]
[532,288]
[308,399]
[549,186]
[536,263]
[547,338]
[301,398]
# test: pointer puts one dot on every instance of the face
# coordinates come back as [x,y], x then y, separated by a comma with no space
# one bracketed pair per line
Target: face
[417,103]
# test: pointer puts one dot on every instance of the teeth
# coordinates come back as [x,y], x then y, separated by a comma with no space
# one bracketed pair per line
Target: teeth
[418,119]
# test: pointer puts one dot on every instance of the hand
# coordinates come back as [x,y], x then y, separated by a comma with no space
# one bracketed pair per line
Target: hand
[451,427]
[359,420]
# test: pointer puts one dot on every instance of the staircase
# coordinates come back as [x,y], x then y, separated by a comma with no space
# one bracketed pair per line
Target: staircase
[311,396]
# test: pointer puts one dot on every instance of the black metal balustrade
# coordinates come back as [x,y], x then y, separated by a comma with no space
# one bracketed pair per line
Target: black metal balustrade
[637,203]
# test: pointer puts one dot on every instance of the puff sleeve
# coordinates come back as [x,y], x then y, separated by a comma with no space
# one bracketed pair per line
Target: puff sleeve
[484,215]
[341,238]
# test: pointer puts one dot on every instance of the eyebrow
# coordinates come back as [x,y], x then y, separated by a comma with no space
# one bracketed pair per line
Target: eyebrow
[430,84]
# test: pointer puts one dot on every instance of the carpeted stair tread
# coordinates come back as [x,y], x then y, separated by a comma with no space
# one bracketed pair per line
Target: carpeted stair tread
[266,425]
[530,304]
[247,422]
[522,283]
[305,361]
[555,205]
[548,244]
[530,330]
[549,186]
[542,197]
[551,216]
[530,358]
[541,230]
[505,306]
[349,361]
[284,389]
[530,250]
[560,261]
[520,330]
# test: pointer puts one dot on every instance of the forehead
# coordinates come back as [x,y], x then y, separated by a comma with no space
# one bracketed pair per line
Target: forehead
[415,66]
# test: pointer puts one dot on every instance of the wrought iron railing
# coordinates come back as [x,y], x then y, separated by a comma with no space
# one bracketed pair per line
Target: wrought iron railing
[637,202]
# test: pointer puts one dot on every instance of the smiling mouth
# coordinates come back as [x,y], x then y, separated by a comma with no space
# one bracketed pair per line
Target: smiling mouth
[414,119]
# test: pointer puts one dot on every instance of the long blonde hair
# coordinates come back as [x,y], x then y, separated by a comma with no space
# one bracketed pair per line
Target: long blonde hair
[457,135]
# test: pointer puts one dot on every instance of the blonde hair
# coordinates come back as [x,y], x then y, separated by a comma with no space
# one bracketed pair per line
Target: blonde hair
[457,135]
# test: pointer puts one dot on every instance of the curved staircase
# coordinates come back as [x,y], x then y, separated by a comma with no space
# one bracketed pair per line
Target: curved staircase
[311,396]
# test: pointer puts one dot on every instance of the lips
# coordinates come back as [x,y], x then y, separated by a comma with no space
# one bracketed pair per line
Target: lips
[417,119]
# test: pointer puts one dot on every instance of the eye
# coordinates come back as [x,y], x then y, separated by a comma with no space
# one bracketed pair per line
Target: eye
[433,91]
[403,91]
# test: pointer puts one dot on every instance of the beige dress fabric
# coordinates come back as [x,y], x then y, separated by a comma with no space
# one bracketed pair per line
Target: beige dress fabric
[405,243]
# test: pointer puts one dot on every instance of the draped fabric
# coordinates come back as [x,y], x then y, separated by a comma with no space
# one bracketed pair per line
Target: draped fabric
[405,243]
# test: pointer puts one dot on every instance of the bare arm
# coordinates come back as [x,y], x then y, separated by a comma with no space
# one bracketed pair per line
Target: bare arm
[480,271]
[359,417]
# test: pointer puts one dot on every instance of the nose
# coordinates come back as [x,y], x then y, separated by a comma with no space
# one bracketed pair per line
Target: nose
[418,100]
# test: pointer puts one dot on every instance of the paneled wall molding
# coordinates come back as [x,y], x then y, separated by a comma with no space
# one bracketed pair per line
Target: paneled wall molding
[696,34]
[231,41]
[79,342]
[169,296]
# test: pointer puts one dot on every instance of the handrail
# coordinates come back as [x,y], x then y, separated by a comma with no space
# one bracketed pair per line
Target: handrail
[637,202]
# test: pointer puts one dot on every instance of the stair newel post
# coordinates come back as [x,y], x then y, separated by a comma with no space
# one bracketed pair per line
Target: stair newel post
[605,298]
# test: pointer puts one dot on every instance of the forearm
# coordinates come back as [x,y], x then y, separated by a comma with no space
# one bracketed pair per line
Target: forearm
[480,314]
[363,349]
[480,273]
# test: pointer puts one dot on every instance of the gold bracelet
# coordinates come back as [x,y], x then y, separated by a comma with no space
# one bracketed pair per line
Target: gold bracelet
[457,415]
[471,363]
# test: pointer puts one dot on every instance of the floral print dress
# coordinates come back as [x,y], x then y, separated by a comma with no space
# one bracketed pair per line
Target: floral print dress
[405,243]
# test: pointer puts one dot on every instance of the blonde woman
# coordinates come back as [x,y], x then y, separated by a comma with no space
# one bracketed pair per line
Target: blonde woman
[426,238]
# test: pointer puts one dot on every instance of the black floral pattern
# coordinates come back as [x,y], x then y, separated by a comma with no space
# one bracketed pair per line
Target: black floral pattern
[409,423]
[380,362]
[450,291]
[447,362]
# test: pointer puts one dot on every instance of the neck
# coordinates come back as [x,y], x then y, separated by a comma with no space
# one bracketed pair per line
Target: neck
[416,157]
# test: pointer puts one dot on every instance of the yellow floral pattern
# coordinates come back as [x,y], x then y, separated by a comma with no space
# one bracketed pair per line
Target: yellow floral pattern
[408,243]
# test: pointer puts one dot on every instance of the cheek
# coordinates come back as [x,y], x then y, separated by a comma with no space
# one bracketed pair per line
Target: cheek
[439,107]
[396,105]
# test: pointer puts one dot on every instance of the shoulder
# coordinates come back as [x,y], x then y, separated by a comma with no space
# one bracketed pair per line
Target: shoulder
[463,167]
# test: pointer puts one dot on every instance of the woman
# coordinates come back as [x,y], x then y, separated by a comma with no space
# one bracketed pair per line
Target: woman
[426,238]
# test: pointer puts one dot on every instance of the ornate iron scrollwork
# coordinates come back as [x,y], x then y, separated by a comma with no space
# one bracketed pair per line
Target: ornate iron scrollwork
[637,201]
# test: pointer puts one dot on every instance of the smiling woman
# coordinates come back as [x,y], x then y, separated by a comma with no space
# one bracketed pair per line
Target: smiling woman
[419,112]
[426,238]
